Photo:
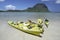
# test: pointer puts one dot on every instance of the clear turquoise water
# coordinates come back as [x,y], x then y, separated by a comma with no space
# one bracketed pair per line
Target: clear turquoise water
[9,33]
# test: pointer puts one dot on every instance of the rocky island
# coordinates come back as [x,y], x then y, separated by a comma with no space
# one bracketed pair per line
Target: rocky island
[40,7]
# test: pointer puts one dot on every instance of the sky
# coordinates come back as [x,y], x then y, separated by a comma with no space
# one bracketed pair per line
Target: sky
[53,5]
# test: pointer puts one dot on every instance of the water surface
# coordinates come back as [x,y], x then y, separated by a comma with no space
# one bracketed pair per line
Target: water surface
[9,33]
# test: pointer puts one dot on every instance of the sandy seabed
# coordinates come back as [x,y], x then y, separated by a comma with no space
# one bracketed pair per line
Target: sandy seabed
[9,33]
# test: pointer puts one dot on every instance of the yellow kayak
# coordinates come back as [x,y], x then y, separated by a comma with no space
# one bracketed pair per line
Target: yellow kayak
[34,30]
[46,22]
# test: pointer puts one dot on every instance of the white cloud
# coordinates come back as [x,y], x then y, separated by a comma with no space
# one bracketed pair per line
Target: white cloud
[44,0]
[57,1]
[10,7]
[2,0]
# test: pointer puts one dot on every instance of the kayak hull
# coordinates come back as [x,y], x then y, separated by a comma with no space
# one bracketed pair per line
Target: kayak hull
[36,33]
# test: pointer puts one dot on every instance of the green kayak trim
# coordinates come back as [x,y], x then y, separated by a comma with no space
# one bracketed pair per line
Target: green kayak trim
[36,33]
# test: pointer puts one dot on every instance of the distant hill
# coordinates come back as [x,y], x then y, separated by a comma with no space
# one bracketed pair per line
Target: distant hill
[40,7]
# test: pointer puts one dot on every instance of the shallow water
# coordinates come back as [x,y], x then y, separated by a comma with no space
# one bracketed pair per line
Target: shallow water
[9,33]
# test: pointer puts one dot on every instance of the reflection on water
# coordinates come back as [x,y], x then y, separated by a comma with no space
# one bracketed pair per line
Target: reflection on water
[9,33]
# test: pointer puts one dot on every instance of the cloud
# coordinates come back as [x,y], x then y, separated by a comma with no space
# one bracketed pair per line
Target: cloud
[10,7]
[57,1]
[2,0]
[44,0]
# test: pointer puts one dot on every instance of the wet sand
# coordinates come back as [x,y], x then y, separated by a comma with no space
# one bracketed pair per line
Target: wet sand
[51,33]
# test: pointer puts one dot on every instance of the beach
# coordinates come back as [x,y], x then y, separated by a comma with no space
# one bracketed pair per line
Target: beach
[9,33]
